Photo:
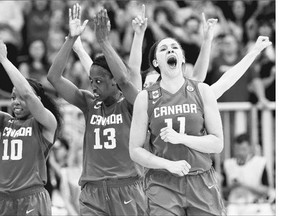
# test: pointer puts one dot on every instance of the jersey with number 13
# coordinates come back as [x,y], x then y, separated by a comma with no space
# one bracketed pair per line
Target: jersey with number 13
[106,142]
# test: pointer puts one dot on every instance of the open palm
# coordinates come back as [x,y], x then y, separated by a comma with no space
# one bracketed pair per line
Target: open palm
[75,27]
[102,26]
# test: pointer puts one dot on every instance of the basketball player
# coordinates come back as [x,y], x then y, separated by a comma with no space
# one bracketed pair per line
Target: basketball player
[185,126]
[168,109]
[26,140]
[109,181]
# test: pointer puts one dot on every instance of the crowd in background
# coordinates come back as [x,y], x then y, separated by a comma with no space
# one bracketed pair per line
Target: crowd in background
[35,30]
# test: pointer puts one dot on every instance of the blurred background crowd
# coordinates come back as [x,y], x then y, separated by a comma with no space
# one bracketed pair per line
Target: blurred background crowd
[34,31]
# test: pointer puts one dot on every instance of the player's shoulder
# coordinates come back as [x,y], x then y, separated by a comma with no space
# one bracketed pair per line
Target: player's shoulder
[153,92]
[5,116]
[204,89]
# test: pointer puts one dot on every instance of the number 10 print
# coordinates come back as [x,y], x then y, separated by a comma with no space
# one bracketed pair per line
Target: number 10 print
[15,150]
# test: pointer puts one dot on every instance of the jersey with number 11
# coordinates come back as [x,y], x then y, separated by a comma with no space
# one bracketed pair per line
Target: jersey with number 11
[183,112]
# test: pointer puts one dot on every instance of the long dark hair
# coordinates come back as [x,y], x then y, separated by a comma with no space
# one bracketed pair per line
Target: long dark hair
[47,101]
[152,56]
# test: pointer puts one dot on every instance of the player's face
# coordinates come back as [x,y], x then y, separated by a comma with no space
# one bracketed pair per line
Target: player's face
[101,82]
[169,56]
[19,106]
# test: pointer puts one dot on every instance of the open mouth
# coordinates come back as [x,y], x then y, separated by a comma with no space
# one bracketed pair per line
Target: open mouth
[95,93]
[17,110]
[172,61]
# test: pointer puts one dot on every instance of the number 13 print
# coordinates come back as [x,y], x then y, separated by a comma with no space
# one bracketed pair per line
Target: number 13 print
[110,134]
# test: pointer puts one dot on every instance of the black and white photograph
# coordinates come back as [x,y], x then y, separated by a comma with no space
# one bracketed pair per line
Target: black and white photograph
[142,108]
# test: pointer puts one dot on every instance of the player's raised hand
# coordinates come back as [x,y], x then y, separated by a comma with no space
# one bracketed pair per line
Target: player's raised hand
[261,43]
[75,27]
[3,51]
[139,23]
[179,168]
[102,26]
[208,27]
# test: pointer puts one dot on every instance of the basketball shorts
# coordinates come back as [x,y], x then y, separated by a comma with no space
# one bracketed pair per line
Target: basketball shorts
[113,197]
[31,201]
[193,194]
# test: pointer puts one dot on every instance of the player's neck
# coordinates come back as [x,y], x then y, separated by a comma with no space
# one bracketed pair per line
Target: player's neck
[172,85]
[112,99]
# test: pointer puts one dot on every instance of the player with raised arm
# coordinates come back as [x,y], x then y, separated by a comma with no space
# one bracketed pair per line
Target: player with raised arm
[109,180]
[26,140]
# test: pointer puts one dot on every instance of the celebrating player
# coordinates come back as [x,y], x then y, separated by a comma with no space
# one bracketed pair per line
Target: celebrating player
[26,139]
[110,182]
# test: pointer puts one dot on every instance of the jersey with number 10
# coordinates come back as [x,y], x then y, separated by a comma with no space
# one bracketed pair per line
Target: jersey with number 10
[182,111]
[23,154]
[106,142]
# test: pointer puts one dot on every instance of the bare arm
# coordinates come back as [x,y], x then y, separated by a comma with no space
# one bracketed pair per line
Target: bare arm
[37,109]
[4,117]
[115,63]
[139,25]
[85,59]
[230,77]
[202,63]
[64,87]
[210,143]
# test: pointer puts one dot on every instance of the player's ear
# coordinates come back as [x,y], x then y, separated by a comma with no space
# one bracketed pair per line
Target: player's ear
[155,63]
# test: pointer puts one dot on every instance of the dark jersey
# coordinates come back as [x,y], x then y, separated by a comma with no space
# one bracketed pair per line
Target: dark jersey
[183,111]
[23,154]
[106,141]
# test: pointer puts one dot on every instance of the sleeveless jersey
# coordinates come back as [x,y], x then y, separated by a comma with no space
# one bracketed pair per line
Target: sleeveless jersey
[182,111]
[23,154]
[106,142]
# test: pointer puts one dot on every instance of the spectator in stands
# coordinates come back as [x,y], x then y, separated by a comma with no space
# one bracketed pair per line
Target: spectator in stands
[245,178]
[229,55]
[36,65]
[57,161]
[37,21]
[54,43]
[11,14]
[250,33]
[264,66]
[69,188]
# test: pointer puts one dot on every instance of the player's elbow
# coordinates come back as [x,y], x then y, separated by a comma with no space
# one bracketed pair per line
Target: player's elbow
[132,153]
[219,145]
